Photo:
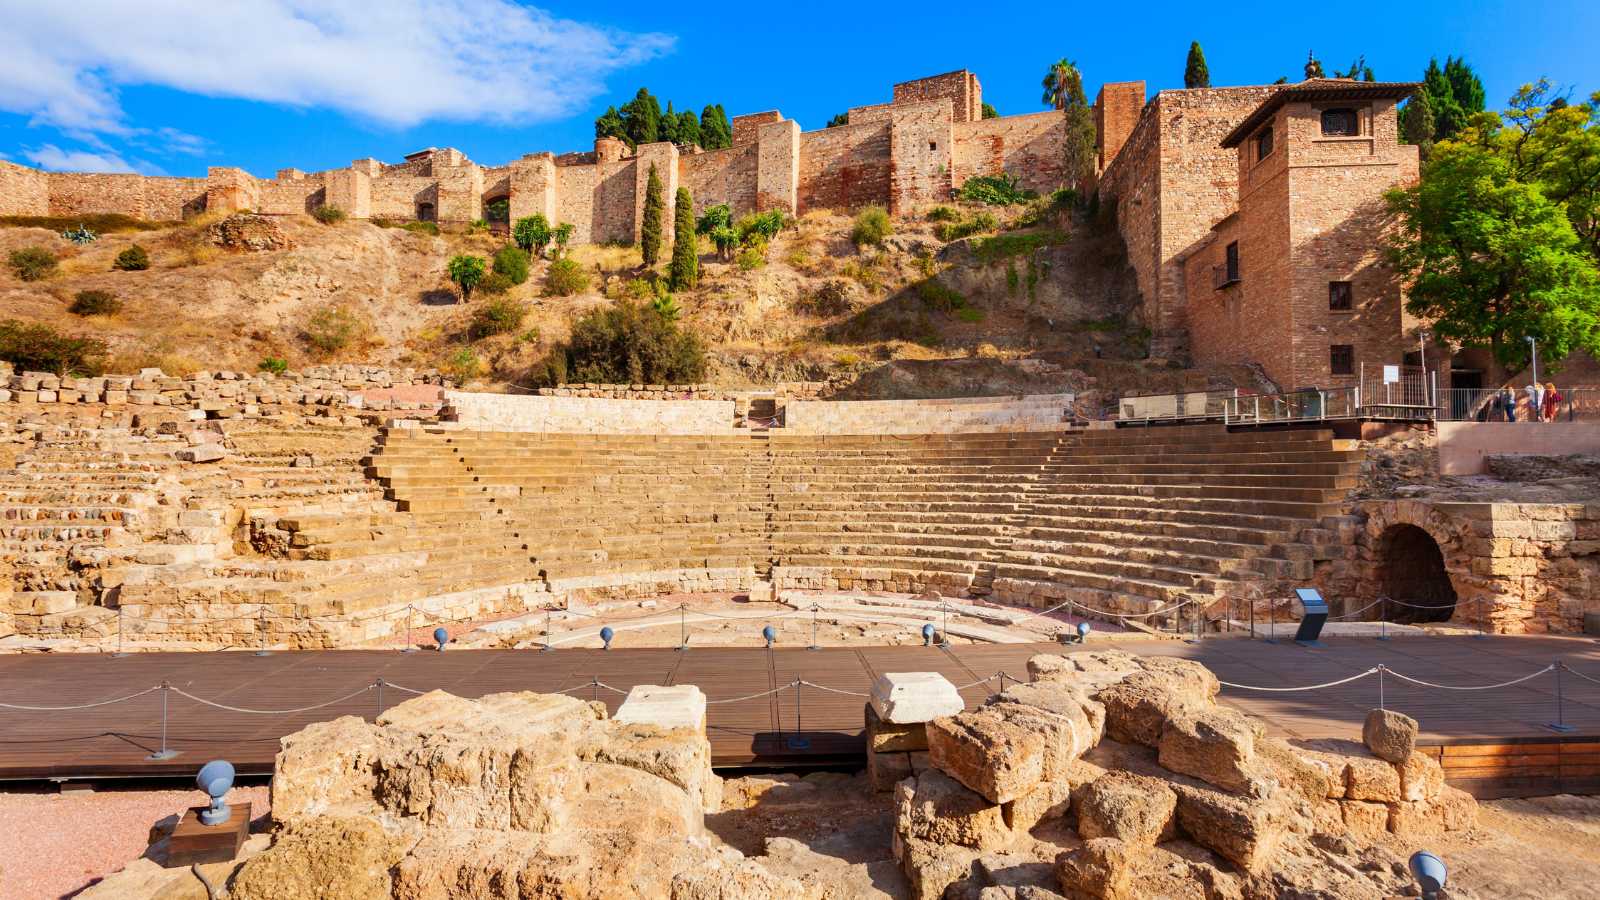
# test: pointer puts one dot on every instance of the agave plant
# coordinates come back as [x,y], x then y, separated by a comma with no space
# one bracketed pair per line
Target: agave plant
[80,236]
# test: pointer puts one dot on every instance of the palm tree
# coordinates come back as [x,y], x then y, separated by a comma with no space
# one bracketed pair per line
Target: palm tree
[1058,82]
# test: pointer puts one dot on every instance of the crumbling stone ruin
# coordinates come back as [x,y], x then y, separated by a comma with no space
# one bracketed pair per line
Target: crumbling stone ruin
[1111,776]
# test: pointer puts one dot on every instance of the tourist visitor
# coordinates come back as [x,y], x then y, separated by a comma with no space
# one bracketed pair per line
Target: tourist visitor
[1508,403]
[1535,400]
[1552,401]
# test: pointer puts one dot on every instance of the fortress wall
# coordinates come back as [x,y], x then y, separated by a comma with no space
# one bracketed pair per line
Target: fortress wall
[1029,147]
[397,196]
[844,167]
[960,88]
[721,176]
[23,191]
[588,415]
[287,196]
[598,199]
[920,147]
[1131,186]
[1033,412]
[140,196]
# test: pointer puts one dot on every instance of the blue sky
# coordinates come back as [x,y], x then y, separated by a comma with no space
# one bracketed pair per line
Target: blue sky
[313,84]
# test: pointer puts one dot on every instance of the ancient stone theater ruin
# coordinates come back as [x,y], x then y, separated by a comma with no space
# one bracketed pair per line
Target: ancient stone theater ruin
[1265,631]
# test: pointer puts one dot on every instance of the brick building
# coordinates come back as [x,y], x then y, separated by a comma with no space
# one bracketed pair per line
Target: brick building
[910,152]
[1253,218]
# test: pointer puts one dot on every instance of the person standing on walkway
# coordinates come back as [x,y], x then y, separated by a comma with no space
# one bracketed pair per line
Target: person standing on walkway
[1552,402]
[1535,400]
[1508,403]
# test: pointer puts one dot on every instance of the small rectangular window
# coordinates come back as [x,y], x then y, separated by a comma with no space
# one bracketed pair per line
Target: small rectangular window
[1264,144]
[1233,261]
[1341,297]
[1342,359]
[933,145]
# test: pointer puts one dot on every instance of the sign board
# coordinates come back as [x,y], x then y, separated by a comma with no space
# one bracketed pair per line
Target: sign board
[1311,621]
[1391,374]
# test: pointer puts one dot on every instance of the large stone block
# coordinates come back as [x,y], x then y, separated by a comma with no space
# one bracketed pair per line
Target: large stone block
[989,753]
[1389,735]
[935,807]
[1214,744]
[1370,778]
[669,707]
[909,697]
[888,736]
[1101,869]
[1136,809]
[1138,706]
[1244,830]
[1421,777]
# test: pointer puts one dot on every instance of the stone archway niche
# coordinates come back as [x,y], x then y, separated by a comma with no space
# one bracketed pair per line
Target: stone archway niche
[1412,573]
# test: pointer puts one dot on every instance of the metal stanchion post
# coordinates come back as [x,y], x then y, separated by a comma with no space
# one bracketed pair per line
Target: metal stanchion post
[163,753]
[379,686]
[798,741]
[813,646]
[120,653]
[1380,686]
[548,634]
[944,635]
[261,627]
[409,647]
[1272,623]
[1560,724]
[1483,620]
[1383,624]
[683,626]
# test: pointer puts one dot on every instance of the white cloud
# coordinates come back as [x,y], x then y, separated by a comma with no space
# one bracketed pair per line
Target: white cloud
[396,62]
[56,159]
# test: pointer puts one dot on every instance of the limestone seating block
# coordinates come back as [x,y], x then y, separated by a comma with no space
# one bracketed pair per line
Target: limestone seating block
[1216,745]
[905,698]
[668,707]
[1137,809]
[988,752]
[1102,869]
[43,603]
[1389,735]
[886,737]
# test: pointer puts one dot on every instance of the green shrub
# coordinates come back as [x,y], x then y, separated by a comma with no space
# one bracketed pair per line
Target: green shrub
[461,366]
[33,263]
[763,225]
[95,303]
[666,307]
[975,224]
[466,271]
[498,210]
[943,214]
[501,315]
[81,235]
[565,278]
[328,215]
[562,236]
[532,233]
[333,328]
[685,269]
[725,239]
[493,285]
[512,262]
[715,217]
[627,343]
[871,227]
[1008,246]
[752,257]
[103,223]
[33,347]
[995,190]
[939,296]
[133,259]
[277,365]
[422,228]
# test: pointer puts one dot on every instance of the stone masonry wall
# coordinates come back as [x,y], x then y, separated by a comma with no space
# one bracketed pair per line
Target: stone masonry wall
[23,191]
[589,415]
[961,88]
[1116,114]
[1028,147]
[140,196]
[844,167]
[920,150]
[1033,412]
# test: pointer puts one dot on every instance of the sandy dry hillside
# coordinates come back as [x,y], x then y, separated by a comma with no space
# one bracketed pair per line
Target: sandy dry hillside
[1051,306]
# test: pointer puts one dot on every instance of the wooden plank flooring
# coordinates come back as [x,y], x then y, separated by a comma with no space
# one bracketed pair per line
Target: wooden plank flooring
[1499,735]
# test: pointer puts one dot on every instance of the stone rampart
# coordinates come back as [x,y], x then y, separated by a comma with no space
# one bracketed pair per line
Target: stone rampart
[588,415]
[962,414]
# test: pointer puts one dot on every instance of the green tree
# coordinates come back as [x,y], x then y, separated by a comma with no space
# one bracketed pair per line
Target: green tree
[562,235]
[989,112]
[1490,259]
[1358,69]
[650,228]
[715,132]
[1416,123]
[1455,95]
[1556,145]
[610,124]
[1195,73]
[685,269]
[627,343]
[532,233]
[688,129]
[466,271]
[1313,66]
[838,119]
[1063,89]
[669,125]
[512,262]
[641,118]
[1465,85]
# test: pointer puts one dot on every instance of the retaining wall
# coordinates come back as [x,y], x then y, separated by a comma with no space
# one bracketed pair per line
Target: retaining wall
[590,415]
[1018,413]
[1463,446]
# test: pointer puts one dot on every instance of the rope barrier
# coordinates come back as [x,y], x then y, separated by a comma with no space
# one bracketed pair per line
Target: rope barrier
[1313,687]
[830,690]
[1474,687]
[272,712]
[148,690]
[1580,674]
[754,696]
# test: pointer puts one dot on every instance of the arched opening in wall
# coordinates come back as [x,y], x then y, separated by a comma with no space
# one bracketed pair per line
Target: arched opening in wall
[425,212]
[1413,577]
[497,209]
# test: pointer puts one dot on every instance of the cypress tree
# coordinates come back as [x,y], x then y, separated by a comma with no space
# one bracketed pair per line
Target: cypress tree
[685,253]
[1195,73]
[668,129]
[1416,122]
[710,137]
[688,129]
[650,229]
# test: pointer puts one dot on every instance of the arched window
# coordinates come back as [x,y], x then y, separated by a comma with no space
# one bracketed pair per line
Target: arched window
[1264,143]
[1340,123]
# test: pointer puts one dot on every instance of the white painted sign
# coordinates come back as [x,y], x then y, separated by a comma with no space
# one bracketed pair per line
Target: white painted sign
[1391,374]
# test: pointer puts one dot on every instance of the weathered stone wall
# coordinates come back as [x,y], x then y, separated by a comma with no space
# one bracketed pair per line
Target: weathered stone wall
[961,88]
[1516,568]
[140,196]
[23,191]
[589,415]
[721,176]
[844,167]
[1116,113]
[1027,147]
[953,416]
[1464,446]
[920,150]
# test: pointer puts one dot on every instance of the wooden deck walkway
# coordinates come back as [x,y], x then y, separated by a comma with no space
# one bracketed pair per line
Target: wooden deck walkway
[1496,735]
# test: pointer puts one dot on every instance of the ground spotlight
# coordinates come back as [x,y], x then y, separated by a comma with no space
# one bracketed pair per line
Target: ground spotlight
[215,778]
[771,634]
[1083,631]
[606,634]
[927,635]
[441,637]
[1429,872]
